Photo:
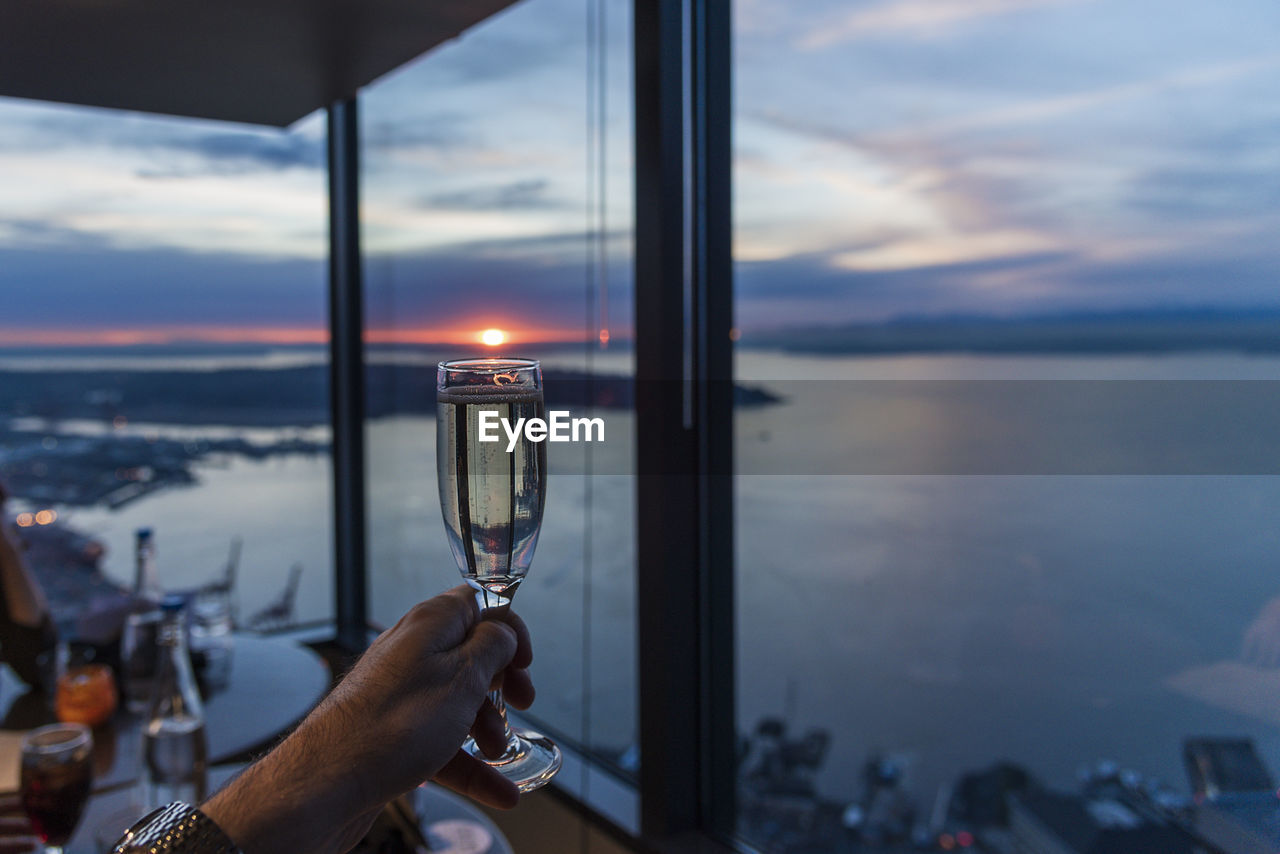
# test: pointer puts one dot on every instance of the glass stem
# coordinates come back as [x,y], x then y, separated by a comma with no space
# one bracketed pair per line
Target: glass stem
[513,741]
[493,600]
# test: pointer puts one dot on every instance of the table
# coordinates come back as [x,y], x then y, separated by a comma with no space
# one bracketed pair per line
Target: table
[449,822]
[274,683]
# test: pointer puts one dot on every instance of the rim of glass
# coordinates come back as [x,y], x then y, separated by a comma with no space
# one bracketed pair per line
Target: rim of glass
[488,364]
[78,735]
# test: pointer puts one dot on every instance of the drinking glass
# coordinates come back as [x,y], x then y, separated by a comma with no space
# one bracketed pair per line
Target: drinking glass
[86,695]
[57,768]
[492,501]
[211,641]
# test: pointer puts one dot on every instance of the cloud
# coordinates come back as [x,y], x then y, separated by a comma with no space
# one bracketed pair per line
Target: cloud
[1198,192]
[530,194]
[536,283]
[802,289]
[1043,109]
[96,287]
[385,131]
[914,17]
[188,145]
[946,249]
[234,153]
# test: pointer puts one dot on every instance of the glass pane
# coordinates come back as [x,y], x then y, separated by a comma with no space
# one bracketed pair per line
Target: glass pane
[497,196]
[1005,539]
[163,358]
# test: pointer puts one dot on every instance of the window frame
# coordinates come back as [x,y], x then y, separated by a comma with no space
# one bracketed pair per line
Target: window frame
[684,415]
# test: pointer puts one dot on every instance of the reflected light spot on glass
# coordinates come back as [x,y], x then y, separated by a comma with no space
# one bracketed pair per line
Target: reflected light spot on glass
[25,520]
[46,517]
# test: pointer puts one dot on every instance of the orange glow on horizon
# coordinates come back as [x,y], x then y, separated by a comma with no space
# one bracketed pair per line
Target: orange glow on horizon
[466,334]
[462,333]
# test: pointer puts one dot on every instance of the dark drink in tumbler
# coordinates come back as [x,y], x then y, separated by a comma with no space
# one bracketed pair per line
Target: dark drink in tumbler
[57,771]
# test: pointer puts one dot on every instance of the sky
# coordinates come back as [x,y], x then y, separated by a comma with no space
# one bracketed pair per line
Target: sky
[892,158]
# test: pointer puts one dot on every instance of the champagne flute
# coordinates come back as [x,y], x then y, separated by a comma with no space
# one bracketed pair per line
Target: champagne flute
[492,501]
[57,768]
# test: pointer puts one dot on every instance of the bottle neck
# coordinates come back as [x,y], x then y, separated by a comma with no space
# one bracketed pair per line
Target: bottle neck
[146,584]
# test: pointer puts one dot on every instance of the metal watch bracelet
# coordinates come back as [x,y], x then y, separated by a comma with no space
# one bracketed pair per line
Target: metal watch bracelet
[175,828]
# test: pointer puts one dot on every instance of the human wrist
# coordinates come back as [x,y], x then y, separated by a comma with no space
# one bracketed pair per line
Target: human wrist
[178,828]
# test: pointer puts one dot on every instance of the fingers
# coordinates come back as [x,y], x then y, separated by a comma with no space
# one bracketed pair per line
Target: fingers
[445,620]
[517,688]
[489,730]
[524,645]
[491,647]
[468,776]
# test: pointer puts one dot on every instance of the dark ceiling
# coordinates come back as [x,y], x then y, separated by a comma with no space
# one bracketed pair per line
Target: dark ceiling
[262,61]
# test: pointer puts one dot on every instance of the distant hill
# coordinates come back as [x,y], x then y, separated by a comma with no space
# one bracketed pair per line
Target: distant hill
[1139,331]
[293,396]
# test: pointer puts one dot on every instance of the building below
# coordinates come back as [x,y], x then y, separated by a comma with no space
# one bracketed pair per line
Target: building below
[1042,822]
[1219,766]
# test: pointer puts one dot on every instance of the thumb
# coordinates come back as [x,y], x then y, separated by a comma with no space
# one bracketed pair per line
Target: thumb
[491,647]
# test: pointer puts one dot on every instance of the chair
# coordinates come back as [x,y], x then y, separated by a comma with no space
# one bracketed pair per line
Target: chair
[279,614]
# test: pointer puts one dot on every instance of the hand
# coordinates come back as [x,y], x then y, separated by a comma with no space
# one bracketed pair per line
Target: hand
[396,720]
[16,833]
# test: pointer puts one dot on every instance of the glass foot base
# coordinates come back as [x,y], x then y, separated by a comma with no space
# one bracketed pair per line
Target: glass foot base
[530,763]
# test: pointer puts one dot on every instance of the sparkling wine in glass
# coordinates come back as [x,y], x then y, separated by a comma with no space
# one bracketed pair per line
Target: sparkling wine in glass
[57,769]
[492,500]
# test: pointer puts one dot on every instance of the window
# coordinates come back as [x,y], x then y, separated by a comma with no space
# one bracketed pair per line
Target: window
[164,354]
[978,247]
[497,196]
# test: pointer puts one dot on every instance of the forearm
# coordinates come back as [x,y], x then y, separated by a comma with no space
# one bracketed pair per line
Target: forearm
[302,797]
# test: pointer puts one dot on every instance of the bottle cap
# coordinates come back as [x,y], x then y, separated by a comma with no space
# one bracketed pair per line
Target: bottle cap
[173,603]
[144,533]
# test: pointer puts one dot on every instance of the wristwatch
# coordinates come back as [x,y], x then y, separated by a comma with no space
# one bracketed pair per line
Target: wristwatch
[175,828]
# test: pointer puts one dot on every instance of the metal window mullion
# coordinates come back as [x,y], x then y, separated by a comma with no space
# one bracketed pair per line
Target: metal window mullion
[712,70]
[684,417]
[346,377]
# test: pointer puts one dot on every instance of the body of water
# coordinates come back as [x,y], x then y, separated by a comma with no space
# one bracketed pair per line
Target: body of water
[1051,620]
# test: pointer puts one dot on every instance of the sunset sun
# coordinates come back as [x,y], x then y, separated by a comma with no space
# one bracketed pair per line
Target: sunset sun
[493,337]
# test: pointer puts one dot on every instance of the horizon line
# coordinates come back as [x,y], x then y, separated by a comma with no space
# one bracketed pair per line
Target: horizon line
[276,335]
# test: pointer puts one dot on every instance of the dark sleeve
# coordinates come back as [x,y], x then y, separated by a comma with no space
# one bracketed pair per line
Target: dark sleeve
[20,646]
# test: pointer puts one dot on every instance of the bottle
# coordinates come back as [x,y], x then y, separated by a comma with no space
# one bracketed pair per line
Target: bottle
[146,580]
[174,750]
[139,642]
